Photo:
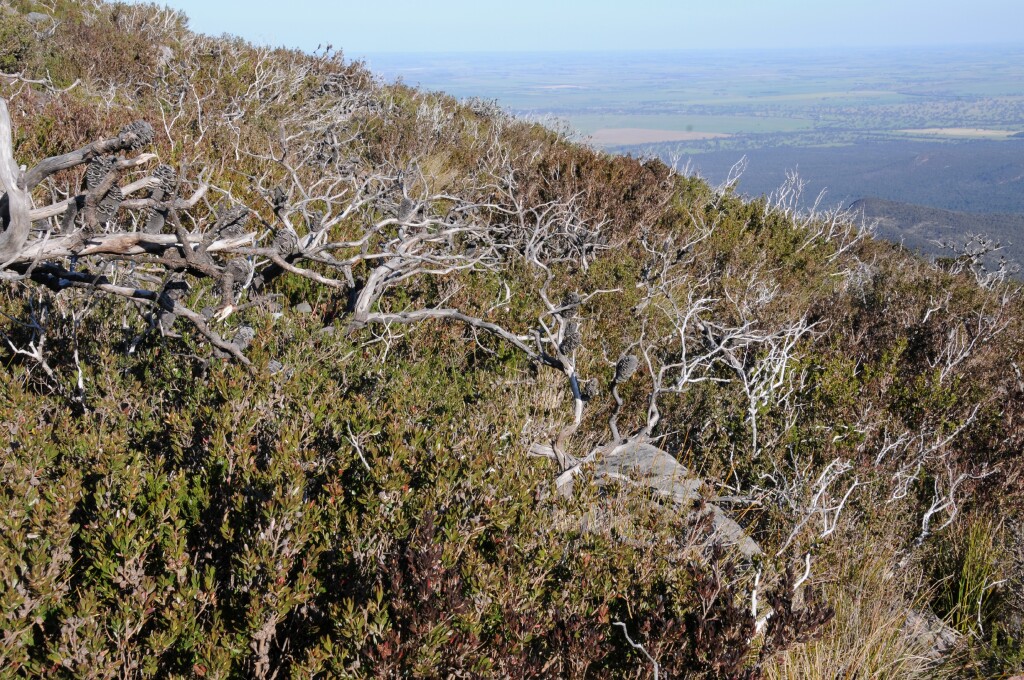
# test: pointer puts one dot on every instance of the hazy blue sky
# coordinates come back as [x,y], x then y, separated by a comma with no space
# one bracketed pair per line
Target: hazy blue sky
[361,27]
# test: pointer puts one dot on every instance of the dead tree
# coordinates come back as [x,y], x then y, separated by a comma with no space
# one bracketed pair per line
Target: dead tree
[125,236]
[78,251]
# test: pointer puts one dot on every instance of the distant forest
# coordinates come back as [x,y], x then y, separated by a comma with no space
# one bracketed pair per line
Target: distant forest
[921,228]
[974,176]
[917,193]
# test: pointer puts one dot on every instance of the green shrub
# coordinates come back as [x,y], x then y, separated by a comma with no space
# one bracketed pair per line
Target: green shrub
[370,510]
[16,38]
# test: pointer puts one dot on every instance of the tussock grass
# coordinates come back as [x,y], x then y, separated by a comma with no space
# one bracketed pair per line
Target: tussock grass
[870,636]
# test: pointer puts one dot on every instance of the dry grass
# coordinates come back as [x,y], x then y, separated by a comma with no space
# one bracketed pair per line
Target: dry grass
[869,637]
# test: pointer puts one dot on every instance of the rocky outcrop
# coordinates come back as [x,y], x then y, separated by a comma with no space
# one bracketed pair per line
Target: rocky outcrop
[642,463]
[933,634]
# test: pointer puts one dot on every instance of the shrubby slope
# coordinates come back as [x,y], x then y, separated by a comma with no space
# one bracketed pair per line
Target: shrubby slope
[344,405]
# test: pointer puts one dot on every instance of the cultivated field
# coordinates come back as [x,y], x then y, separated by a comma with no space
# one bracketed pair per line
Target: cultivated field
[758,99]
[627,136]
[959,133]
[932,127]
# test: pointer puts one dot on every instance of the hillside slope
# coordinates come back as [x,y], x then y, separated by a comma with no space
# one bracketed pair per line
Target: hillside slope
[976,177]
[352,380]
[923,229]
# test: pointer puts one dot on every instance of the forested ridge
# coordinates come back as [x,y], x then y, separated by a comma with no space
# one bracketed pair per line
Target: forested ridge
[927,230]
[310,375]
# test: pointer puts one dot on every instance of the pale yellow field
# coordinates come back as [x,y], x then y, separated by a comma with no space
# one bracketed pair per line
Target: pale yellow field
[971,133]
[617,136]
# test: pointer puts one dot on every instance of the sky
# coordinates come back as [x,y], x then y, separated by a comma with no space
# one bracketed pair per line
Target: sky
[362,28]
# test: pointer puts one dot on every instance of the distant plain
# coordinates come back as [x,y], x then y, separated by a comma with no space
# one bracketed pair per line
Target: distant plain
[941,90]
[935,127]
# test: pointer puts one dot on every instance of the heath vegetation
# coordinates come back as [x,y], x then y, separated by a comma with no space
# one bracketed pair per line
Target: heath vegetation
[308,375]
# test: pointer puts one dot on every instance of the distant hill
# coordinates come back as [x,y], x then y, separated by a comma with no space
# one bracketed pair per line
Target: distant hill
[918,227]
[974,176]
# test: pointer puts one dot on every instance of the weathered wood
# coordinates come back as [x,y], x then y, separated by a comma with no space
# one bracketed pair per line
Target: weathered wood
[59,207]
[136,243]
[451,315]
[128,138]
[17,220]
[59,279]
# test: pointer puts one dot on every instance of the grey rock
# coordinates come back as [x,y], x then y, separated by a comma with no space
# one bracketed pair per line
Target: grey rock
[37,18]
[328,330]
[929,630]
[303,308]
[274,366]
[244,337]
[643,463]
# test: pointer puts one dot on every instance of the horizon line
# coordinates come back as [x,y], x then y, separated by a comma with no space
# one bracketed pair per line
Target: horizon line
[667,50]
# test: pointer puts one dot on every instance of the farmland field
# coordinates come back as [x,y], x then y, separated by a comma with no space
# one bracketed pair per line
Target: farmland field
[817,97]
[939,128]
